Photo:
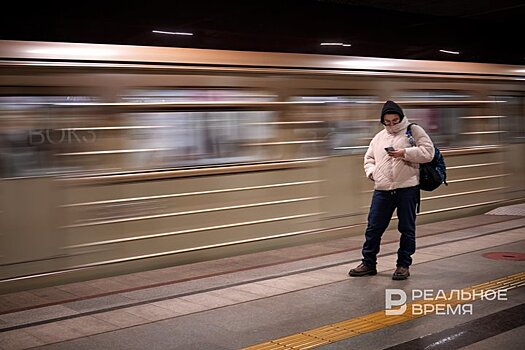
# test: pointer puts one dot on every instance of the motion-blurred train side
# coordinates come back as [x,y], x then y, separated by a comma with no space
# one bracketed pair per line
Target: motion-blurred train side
[123,158]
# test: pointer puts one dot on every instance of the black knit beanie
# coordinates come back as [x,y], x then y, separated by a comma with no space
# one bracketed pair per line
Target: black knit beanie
[391,107]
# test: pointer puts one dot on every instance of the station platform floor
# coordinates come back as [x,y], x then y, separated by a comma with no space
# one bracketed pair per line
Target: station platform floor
[298,298]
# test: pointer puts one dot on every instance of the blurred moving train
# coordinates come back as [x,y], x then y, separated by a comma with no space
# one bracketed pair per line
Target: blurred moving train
[122,158]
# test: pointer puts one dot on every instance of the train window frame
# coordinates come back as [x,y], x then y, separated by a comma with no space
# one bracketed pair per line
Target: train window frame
[339,131]
[251,146]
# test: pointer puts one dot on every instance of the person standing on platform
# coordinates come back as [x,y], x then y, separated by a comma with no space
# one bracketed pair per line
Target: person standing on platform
[393,165]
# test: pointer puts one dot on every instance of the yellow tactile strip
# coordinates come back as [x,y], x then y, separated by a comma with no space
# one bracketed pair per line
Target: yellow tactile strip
[368,323]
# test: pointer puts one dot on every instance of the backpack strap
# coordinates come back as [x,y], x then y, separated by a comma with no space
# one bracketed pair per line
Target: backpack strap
[412,142]
[418,204]
[410,136]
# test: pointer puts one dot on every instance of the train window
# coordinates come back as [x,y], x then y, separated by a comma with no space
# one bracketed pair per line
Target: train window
[452,118]
[32,130]
[509,115]
[342,122]
[200,135]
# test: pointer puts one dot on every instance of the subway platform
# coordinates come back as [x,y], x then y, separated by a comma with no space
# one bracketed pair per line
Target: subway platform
[465,291]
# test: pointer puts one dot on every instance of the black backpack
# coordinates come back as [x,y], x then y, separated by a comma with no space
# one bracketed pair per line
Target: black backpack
[432,174]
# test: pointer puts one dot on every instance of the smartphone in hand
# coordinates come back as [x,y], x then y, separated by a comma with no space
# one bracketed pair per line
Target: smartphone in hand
[389,149]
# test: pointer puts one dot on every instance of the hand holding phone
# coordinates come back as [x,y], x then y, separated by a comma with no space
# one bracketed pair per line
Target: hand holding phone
[389,149]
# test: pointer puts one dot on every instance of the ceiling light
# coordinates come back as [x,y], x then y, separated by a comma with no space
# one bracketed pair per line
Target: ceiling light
[452,52]
[171,33]
[335,44]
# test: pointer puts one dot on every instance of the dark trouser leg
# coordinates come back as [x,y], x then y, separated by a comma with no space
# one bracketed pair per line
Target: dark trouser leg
[381,210]
[407,199]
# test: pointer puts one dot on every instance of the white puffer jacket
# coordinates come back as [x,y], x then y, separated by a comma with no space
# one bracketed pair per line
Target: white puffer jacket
[390,173]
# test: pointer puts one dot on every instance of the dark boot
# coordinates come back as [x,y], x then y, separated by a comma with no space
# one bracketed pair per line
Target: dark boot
[362,270]
[401,273]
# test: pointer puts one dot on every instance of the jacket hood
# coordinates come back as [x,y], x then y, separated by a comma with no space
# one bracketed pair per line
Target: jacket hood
[391,107]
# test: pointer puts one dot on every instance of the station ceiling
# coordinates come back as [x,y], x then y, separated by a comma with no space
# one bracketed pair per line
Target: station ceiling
[481,31]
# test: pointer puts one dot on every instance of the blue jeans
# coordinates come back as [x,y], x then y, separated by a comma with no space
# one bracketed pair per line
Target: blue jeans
[383,205]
